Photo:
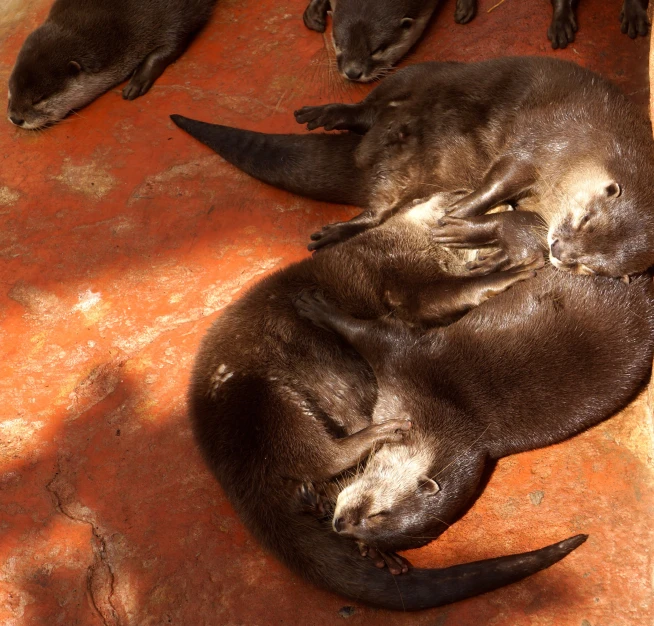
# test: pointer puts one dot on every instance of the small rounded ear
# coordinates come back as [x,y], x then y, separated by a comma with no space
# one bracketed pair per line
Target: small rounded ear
[406,23]
[613,190]
[428,486]
[74,68]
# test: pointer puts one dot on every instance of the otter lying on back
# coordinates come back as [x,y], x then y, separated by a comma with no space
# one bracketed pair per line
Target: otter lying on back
[277,403]
[87,46]
[544,135]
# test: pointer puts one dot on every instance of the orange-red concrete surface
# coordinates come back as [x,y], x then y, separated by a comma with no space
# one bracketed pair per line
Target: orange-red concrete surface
[121,239]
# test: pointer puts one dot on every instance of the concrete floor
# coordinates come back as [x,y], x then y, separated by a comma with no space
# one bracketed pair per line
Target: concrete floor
[120,241]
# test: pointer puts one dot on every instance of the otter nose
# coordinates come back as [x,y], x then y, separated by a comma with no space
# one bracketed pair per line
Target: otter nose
[559,252]
[343,526]
[16,120]
[353,72]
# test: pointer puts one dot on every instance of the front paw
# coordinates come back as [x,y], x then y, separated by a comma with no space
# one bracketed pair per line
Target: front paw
[465,11]
[633,18]
[562,30]
[314,18]
[503,260]
[396,564]
[459,232]
[312,502]
[137,86]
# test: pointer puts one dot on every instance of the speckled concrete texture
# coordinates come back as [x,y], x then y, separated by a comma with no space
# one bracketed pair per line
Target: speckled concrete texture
[121,239]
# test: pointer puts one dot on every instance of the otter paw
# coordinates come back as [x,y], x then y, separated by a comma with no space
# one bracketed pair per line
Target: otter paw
[502,260]
[633,20]
[391,431]
[465,11]
[327,116]
[562,29]
[312,306]
[313,502]
[328,235]
[137,86]
[395,563]
[314,18]
[459,232]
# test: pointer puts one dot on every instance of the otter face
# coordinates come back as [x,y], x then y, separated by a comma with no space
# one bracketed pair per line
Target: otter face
[368,42]
[387,505]
[48,80]
[604,230]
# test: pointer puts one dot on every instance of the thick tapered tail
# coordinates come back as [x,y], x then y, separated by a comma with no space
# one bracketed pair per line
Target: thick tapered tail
[320,166]
[428,588]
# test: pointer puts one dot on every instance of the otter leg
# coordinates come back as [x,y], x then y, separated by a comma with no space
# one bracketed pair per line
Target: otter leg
[341,231]
[315,15]
[633,18]
[465,11]
[518,234]
[349,451]
[507,179]
[449,299]
[357,118]
[150,69]
[564,23]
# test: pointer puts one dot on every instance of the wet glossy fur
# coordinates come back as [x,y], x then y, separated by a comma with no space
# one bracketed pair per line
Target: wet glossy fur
[545,135]
[273,396]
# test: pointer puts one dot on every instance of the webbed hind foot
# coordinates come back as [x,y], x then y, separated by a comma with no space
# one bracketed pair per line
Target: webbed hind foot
[395,563]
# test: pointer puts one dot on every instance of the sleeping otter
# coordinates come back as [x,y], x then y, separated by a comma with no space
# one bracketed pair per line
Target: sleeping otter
[281,407]
[545,135]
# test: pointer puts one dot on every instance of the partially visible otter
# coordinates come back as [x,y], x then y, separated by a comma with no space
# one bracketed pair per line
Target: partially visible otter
[87,46]
[633,21]
[370,36]
[534,366]
[542,134]
[277,403]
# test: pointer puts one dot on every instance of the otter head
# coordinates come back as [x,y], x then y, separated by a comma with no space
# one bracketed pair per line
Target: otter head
[52,77]
[371,36]
[406,496]
[605,226]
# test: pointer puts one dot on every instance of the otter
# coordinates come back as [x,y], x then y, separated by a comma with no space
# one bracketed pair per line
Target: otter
[545,135]
[543,357]
[275,401]
[85,47]
[370,36]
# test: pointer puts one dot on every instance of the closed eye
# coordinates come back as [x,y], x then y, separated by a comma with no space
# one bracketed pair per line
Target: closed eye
[380,50]
[379,513]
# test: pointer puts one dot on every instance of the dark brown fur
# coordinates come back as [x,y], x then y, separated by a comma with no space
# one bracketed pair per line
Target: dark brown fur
[545,135]
[87,46]
[275,401]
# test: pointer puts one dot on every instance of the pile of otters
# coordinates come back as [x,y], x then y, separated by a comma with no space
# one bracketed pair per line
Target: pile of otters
[350,403]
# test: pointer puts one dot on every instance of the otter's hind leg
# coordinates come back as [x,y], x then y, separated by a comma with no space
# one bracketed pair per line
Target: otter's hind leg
[151,68]
[357,118]
[315,15]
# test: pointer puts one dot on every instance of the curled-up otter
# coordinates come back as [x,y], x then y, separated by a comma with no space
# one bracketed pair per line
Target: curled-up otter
[544,135]
[281,407]
[85,47]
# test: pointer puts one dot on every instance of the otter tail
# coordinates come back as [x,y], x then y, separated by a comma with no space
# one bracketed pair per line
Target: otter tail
[335,563]
[318,166]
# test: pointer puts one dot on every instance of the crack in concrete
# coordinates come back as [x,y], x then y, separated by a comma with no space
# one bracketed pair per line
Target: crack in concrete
[100,576]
